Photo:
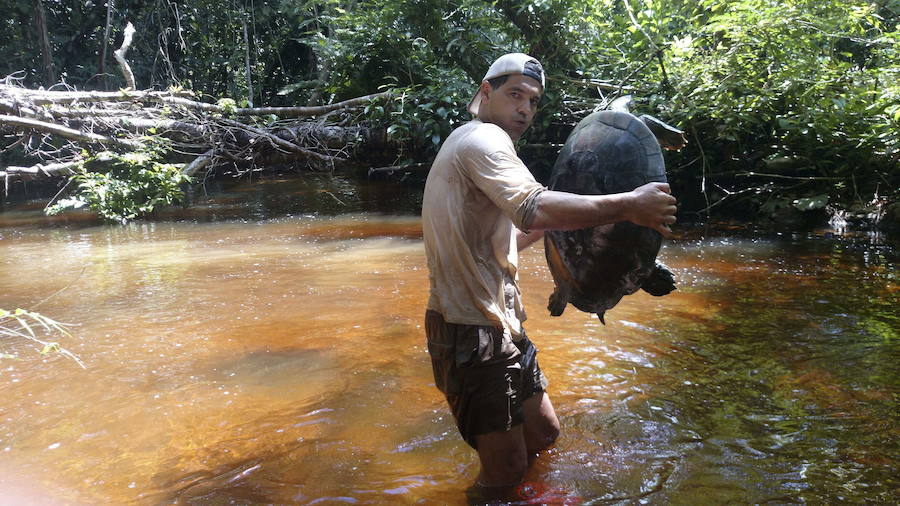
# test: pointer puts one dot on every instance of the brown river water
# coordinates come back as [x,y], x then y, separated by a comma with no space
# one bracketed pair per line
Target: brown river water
[266,346]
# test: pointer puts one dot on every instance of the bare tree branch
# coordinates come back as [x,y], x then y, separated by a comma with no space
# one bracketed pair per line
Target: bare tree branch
[172,98]
[66,132]
[119,55]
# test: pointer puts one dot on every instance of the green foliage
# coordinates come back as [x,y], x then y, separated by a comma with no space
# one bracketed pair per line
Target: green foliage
[229,106]
[811,203]
[803,79]
[121,187]
[420,118]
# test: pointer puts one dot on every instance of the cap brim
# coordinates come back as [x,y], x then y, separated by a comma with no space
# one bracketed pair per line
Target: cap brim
[475,103]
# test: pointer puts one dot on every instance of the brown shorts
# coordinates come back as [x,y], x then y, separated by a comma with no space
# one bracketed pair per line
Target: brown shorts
[485,376]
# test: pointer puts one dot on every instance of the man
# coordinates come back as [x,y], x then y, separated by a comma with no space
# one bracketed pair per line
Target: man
[481,206]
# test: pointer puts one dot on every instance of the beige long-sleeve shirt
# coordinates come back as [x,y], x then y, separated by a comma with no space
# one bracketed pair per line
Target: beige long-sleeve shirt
[477,193]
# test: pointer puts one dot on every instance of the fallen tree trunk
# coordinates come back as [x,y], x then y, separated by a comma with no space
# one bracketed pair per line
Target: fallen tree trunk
[177,98]
[38,171]
[65,132]
[72,122]
[131,149]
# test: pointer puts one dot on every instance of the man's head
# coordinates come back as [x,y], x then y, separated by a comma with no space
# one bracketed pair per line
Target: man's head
[509,93]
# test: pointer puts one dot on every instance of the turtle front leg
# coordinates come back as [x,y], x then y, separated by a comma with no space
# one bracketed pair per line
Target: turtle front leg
[558,300]
[668,136]
[660,282]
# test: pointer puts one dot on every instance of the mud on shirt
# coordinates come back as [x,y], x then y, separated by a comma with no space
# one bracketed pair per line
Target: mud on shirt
[477,194]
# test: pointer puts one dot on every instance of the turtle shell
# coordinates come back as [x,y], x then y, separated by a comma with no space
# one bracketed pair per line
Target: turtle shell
[593,268]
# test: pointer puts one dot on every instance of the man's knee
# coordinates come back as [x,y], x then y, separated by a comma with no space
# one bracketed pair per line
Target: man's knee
[550,433]
[541,423]
[542,437]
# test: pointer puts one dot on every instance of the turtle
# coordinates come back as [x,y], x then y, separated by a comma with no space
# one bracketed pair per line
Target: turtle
[610,151]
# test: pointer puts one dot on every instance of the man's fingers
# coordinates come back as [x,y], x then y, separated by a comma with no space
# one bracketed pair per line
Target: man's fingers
[664,187]
[659,206]
[664,227]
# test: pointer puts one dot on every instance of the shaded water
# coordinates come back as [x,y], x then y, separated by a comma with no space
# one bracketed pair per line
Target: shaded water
[280,358]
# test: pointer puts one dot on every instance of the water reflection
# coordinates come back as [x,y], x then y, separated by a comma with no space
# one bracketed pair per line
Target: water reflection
[281,360]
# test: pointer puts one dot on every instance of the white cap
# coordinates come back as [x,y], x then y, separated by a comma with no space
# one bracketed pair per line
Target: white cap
[509,64]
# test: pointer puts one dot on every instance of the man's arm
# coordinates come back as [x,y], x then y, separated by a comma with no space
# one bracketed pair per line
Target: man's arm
[650,205]
[524,240]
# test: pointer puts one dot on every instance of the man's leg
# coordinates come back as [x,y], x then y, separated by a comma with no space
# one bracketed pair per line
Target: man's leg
[504,455]
[541,424]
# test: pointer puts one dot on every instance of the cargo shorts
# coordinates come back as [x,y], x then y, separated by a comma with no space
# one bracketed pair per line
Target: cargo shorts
[483,373]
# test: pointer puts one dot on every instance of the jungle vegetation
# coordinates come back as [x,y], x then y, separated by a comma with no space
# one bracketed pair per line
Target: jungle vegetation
[791,108]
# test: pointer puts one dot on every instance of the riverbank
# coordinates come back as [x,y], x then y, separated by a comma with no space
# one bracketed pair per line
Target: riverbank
[289,192]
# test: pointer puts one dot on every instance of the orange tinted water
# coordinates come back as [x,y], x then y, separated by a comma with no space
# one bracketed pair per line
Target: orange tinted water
[282,361]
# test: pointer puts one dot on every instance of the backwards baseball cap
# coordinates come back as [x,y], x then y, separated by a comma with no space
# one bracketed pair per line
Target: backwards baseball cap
[510,64]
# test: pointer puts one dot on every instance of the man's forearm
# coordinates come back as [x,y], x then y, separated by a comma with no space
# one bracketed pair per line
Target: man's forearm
[524,240]
[568,211]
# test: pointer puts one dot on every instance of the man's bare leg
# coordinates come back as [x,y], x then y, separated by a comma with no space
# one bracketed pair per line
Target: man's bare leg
[541,424]
[504,455]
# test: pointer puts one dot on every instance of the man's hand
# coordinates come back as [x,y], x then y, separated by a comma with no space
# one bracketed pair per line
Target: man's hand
[653,206]
[650,206]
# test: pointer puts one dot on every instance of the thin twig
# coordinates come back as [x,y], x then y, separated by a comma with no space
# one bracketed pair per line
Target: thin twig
[61,290]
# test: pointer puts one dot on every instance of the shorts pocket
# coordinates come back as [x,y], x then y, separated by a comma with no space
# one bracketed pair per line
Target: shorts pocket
[486,346]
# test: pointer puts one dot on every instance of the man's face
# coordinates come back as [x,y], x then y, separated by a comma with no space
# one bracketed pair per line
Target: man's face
[511,106]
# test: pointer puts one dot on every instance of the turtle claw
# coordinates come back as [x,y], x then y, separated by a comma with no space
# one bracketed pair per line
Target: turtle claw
[600,315]
[661,281]
[557,303]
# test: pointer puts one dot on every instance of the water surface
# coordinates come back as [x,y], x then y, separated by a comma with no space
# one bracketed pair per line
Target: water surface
[266,346]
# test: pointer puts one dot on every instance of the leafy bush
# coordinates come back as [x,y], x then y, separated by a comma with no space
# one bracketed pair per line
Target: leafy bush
[121,187]
[760,82]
